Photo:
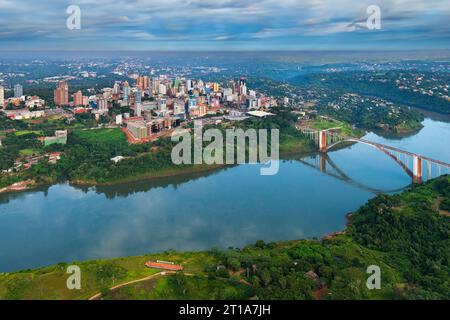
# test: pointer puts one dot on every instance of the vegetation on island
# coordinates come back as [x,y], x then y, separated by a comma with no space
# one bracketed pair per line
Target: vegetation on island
[406,235]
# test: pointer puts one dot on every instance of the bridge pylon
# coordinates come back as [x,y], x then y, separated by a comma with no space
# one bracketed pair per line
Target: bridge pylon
[323,141]
[417,169]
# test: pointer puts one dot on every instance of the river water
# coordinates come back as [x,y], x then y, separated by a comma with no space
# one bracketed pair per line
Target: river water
[230,207]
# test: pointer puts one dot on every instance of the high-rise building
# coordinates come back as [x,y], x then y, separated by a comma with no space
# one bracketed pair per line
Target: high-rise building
[242,83]
[61,94]
[143,82]
[138,103]
[233,86]
[162,89]
[116,88]
[2,97]
[244,89]
[189,84]
[78,98]
[126,90]
[155,84]
[102,104]
[18,91]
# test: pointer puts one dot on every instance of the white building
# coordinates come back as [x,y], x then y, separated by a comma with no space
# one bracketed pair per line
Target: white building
[162,89]
[119,119]
[102,105]
[18,91]
[2,97]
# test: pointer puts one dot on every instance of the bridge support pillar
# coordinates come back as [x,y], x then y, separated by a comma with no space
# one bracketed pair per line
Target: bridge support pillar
[417,169]
[323,163]
[323,141]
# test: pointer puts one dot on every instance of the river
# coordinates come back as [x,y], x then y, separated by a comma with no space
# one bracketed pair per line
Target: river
[230,207]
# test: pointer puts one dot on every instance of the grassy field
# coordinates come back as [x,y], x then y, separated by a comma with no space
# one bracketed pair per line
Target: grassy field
[23,132]
[346,128]
[174,287]
[101,135]
[96,276]
[291,144]
[28,152]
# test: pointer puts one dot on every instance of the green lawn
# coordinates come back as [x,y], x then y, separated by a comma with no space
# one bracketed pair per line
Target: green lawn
[101,135]
[346,129]
[175,287]
[23,132]
[28,152]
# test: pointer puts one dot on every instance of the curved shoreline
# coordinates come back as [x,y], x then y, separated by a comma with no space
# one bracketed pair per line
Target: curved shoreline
[203,168]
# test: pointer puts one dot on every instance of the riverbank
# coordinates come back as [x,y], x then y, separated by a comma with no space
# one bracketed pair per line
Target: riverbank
[335,266]
[153,175]
[288,147]
[19,186]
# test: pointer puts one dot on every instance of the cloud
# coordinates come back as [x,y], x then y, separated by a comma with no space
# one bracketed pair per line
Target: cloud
[266,21]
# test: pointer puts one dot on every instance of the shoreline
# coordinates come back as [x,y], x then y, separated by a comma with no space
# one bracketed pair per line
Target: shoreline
[150,176]
[19,186]
[203,168]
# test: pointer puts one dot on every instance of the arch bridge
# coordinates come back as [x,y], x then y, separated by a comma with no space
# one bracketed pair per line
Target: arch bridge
[416,166]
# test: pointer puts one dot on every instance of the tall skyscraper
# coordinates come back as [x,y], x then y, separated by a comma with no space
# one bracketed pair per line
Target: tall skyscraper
[102,104]
[2,97]
[155,86]
[162,89]
[78,98]
[126,90]
[61,94]
[18,91]
[116,88]
[242,83]
[143,82]
[138,103]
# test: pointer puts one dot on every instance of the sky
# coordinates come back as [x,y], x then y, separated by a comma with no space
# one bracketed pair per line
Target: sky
[180,25]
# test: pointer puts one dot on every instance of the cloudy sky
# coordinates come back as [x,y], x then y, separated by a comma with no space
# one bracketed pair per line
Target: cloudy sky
[224,25]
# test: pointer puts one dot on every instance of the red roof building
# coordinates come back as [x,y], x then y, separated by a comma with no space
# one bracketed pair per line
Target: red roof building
[163,265]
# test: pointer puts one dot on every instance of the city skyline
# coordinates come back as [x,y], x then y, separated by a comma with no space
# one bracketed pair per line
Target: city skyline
[224,25]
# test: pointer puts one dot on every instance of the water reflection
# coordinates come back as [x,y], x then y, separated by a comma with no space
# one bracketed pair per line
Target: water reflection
[323,163]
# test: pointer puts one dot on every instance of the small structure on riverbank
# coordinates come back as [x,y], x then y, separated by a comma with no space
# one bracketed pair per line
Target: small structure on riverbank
[164,265]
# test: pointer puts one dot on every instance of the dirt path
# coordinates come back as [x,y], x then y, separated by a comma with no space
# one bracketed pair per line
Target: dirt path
[162,273]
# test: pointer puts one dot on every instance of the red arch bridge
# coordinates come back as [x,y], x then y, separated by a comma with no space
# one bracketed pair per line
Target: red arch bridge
[416,166]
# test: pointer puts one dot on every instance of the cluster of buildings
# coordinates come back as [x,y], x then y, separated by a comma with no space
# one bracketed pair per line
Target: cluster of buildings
[160,103]
[155,104]
[430,85]
[17,99]
[26,107]
[27,162]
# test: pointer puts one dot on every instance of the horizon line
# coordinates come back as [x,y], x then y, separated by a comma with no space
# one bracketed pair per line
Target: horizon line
[229,50]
